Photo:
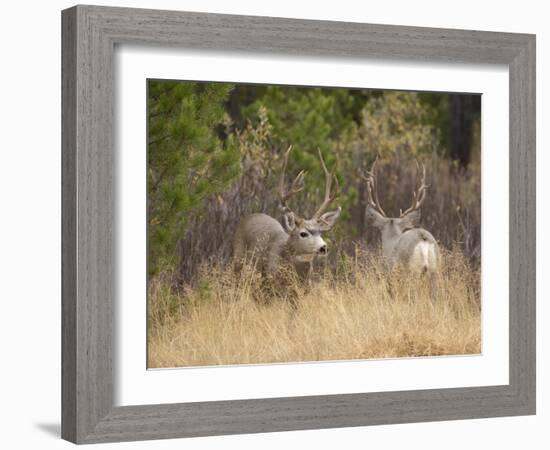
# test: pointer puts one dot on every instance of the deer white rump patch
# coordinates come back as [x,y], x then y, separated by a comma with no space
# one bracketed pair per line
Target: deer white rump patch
[424,257]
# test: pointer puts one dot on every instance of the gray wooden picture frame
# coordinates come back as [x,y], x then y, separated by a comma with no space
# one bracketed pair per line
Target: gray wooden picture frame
[90,34]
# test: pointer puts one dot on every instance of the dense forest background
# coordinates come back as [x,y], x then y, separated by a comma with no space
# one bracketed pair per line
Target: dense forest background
[215,153]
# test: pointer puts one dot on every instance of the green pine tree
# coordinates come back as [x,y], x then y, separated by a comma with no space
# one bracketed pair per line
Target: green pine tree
[188,159]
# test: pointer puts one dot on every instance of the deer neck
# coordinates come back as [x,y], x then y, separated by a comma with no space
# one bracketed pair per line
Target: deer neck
[288,253]
[302,263]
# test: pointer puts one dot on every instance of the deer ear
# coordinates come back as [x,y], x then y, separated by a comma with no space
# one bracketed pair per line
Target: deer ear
[374,218]
[411,220]
[290,221]
[328,219]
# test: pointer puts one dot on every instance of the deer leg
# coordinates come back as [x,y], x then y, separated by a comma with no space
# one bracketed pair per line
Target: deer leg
[272,261]
[269,268]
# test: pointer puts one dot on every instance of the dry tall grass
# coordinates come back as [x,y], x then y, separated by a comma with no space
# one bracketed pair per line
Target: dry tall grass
[358,311]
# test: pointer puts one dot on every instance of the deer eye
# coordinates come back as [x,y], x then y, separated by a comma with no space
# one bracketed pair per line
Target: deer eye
[304,234]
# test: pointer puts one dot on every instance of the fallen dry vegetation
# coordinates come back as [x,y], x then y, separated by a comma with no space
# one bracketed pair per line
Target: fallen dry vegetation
[354,311]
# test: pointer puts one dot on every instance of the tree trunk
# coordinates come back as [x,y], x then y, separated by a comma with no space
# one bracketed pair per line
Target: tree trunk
[461,112]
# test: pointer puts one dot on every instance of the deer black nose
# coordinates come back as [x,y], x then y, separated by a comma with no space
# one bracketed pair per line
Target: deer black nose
[323,250]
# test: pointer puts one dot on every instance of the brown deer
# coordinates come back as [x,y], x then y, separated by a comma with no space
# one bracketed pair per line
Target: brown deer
[299,241]
[403,242]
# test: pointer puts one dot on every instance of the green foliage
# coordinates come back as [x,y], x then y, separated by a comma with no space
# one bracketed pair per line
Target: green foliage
[436,114]
[349,126]
[187,160]
[397,121]
[310,119]
[307,117]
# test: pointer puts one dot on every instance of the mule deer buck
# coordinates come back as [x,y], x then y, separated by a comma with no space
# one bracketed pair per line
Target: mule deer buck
[403,242]
[300,241]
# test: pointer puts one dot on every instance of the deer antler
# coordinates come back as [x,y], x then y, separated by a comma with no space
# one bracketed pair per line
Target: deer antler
[331,192]
[372,188]
[419,194]
[297,184]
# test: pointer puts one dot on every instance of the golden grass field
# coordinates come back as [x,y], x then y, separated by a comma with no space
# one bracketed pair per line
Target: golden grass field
[357,311]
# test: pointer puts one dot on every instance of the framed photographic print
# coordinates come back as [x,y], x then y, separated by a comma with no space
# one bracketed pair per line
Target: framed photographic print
[278,224]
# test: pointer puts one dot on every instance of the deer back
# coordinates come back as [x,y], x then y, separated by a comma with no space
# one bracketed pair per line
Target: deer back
[259,236]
